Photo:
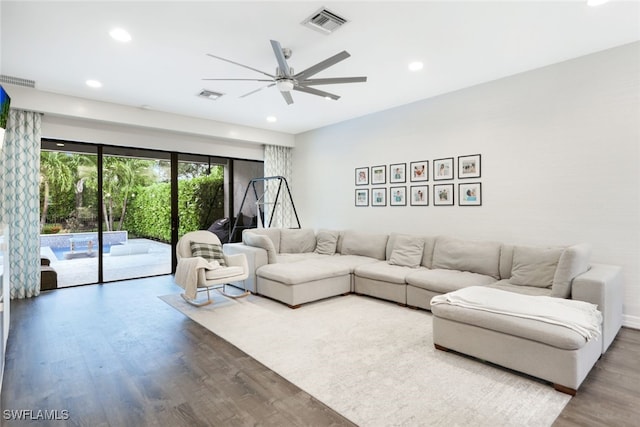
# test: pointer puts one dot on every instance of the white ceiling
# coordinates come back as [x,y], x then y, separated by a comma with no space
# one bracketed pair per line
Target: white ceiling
[60,45]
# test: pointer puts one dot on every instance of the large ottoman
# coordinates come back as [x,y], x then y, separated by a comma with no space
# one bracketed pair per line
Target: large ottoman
[301,282]
[546,349]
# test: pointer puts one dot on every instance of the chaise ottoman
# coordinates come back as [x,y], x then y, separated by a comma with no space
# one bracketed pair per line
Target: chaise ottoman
[489,324]
[304,281]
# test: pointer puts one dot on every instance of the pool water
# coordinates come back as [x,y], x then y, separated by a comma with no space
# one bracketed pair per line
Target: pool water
[59,252]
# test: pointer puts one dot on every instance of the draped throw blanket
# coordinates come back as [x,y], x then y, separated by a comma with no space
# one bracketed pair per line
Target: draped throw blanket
[191,271]
[20,200]
[580,316]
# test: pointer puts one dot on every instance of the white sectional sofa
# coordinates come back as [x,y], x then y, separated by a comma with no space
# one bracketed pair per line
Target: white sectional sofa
[296,266]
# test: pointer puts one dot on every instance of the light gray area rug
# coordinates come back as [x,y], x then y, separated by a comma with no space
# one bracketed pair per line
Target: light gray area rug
[374,362]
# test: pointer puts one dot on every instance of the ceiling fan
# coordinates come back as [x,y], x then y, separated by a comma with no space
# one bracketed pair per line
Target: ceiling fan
[286,81]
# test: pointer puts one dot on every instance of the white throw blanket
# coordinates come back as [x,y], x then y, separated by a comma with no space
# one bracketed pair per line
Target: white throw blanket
[188,271]
[580,316]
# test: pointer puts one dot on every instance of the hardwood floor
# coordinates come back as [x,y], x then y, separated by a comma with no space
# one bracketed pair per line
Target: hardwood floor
[115,355]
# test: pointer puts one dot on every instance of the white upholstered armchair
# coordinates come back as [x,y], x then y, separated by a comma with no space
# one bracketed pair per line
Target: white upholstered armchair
[203,266]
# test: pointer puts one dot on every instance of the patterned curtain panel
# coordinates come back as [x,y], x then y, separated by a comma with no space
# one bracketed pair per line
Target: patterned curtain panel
[277,162]
[20,200]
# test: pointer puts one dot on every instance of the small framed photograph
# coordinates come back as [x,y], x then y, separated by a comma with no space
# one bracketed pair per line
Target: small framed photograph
[419,195]
[469,166]
[470,194]
[378,197]
[443,195]
[362,197]
[443,169]
[362,176]
[398,196]
[419,171]
[397,173]
[378,175]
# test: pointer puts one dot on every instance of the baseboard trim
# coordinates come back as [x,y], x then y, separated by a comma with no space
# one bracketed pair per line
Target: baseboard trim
[631,321]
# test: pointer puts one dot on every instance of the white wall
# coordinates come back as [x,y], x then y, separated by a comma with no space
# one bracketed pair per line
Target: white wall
[560,161]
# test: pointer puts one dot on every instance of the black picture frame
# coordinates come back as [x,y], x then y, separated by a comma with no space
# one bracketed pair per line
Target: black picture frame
[397,173]
[398,196]
[362,176]
[469,166]
[419,171]
[419,195]
[443,195]
[378,175]
[443,169]
[379,196]
[362,197]
[470,194]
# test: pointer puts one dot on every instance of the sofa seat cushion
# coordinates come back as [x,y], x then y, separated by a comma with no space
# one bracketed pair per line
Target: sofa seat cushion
[535,330]
[221,273]
[309,270]
[384,272]
[443,280]
[505,285]
[350,261]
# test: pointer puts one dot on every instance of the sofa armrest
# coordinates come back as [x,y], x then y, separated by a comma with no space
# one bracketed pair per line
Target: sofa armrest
[256,258]
[602,285]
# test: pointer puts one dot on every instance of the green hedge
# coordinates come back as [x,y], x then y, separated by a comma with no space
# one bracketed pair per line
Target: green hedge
[200,202]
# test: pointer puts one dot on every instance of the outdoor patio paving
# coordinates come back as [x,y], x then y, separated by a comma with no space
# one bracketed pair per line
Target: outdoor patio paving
[78,271]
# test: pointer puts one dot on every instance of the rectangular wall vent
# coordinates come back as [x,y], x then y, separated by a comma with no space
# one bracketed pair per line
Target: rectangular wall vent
[17,81]
[209,94]
[324,21]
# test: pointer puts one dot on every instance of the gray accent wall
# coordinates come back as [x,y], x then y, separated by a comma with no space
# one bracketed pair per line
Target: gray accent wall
[560,161]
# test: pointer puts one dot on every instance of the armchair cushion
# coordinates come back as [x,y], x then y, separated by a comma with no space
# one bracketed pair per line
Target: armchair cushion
[208,251]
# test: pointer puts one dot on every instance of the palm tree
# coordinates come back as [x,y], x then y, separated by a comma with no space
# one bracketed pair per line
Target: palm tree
[56,171]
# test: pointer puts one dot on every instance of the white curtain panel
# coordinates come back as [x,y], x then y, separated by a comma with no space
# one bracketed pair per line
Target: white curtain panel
[277,162]
[20,200]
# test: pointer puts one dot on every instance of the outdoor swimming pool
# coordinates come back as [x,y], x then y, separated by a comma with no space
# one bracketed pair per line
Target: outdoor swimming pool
[59,252]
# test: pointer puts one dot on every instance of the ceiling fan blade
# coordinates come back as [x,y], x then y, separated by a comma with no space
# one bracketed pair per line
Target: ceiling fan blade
[241,65]
[243,80]
[332,81]
[282,61]
[313,91]
[257,90]
[287,97]
[314,69]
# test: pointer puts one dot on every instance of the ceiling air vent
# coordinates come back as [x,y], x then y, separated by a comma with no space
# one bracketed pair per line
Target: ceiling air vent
[209,94]
[324,21]
[17,81]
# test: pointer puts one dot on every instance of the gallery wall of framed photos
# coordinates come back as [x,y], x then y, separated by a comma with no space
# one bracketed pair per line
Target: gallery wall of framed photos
[454,181]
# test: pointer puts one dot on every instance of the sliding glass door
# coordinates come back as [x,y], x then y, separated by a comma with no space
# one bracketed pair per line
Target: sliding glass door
[136,213]
[69,206]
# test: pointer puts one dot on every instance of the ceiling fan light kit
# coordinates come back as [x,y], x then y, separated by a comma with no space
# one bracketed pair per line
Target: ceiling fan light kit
[286,81]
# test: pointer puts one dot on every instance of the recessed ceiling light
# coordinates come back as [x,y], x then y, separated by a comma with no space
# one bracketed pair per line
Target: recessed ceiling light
[272,119]
[59,144]
[416,66]
[93,83]
[120,35]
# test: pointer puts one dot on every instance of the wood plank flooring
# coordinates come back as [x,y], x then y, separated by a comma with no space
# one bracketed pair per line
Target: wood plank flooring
[115,355]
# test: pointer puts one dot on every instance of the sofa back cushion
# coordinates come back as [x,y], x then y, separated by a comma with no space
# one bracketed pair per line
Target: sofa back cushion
[466,255]
[573,261]
[297,241]
[506,261]
[364,244]
[272,233]
[327,242]
[534,266]
[406,250]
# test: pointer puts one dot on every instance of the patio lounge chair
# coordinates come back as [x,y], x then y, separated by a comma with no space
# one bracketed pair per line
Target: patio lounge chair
[203,266]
